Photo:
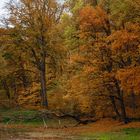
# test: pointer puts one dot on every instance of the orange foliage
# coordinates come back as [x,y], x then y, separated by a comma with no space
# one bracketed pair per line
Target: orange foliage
[123,40]
[77,58]
[130,79]
[92,20]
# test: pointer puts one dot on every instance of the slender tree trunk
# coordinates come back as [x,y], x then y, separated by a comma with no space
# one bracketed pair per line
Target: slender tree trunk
[6,88]
[15,92]
[15,89]
[24,79]
[123,110]
[133,102]
[23,73]
[115,107]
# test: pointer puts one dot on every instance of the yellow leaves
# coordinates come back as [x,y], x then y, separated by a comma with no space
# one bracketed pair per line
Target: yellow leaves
[29,97]
[85,104]
[77,58]
[76,97]
[4,37]
[56,100]
[133,27]
[89,69]
[76,84]
[123,40]
[82,48]
[130,79]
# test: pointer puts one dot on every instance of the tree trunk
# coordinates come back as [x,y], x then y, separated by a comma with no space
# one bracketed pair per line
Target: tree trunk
[115,107]
[123,110]
[24,78]
[121,101]
[23,73]
[15,92]
[133,102]
[43,85]
[41,65]
[6,88]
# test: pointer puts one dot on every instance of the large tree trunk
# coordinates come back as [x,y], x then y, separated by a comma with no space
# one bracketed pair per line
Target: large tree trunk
[41,65]
[121,101]
[43,85]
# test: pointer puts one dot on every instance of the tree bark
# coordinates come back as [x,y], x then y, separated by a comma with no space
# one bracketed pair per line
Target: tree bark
[41,65]
[23,73]
[115,107]
[133,102]
[43,85]
[121,101]
[15,92]
[6,88]
[123,110]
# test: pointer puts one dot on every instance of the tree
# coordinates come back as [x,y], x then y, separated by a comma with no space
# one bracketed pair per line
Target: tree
[32,22]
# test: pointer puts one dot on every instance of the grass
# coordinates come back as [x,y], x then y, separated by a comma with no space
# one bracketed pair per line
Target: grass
[18,116]
[123,134]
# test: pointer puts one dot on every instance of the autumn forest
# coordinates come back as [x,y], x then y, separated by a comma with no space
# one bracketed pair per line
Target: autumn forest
[72,59]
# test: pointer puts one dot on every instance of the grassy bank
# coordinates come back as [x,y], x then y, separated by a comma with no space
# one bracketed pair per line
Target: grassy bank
[33,117]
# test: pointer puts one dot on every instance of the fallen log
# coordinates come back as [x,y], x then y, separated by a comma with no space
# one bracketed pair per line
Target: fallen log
[78,119]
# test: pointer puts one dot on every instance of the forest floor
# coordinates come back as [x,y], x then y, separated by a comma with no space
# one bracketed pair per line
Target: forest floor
[105,129]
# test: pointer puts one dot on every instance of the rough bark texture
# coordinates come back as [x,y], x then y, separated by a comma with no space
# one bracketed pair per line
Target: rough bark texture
[43,85]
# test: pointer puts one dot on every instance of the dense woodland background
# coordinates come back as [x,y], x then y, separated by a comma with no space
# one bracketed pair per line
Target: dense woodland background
[80,57]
